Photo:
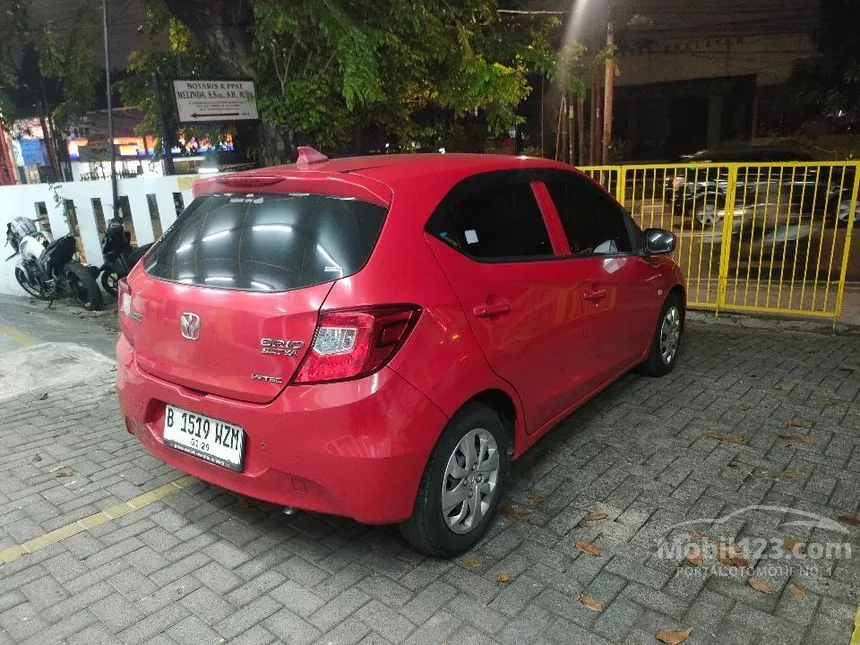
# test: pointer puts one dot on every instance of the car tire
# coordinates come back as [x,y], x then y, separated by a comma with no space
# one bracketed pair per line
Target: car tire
[667,336]
[843,213]
[436,527]
[706,215]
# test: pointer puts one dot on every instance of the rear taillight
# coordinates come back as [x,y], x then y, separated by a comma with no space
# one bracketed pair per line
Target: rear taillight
[128,317]
[124,298]
[352,343]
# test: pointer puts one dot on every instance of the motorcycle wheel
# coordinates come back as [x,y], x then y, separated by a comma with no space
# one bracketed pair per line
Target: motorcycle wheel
[110,280]
[83,285]
[26,285]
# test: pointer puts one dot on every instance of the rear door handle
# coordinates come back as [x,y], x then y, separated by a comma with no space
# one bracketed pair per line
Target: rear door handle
[491,310]
[594,296]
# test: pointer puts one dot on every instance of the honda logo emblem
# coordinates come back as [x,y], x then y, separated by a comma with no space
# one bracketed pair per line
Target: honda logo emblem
[189,325]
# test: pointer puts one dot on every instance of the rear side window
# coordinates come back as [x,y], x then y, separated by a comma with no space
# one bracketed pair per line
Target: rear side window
[492,222]
[267,242]
[593,223]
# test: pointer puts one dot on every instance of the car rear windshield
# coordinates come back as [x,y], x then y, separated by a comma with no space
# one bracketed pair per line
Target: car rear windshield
[267,242]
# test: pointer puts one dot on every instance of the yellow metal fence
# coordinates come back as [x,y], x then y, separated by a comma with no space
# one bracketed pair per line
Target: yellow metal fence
[759,237]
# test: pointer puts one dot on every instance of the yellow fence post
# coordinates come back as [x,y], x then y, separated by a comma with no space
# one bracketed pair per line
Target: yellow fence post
[726,239]
[852,207]
[621,185]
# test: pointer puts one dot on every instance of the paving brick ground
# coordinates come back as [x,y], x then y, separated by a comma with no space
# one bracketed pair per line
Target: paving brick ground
[203,566]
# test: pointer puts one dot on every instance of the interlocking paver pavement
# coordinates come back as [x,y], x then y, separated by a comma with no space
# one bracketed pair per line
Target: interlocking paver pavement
[203,566]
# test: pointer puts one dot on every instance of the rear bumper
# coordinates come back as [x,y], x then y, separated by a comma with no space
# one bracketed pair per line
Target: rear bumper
[356,449]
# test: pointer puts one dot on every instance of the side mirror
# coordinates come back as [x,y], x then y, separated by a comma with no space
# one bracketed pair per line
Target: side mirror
[658,241]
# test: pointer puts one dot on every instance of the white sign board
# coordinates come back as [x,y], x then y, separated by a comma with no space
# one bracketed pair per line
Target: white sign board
[215,101]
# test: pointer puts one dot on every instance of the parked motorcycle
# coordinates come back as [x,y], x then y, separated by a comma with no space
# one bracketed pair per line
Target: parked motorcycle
[47,269]
[119,255]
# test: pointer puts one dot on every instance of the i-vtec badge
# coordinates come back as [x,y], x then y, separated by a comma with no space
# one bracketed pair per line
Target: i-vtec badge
[281,347]
[267,379]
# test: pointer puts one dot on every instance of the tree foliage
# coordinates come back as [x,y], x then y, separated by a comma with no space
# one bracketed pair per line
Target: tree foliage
[183,57]
[329,70]
[63,57]
[575,68]
[830,83]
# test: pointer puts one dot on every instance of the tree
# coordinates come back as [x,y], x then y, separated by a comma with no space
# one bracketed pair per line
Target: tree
[574,71]
[47,72]
[327,70]
[830,83]
[184,57]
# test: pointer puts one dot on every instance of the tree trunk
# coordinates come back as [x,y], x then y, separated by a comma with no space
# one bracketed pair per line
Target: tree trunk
[61,149]
[559,133]
[48,138]
[224,27]
[581,123]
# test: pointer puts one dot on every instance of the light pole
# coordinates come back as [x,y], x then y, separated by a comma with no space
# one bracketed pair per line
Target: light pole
[608,87]
[110,113]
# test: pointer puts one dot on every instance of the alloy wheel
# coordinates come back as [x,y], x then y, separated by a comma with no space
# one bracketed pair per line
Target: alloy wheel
[670,334]
[470,481]
[706,215]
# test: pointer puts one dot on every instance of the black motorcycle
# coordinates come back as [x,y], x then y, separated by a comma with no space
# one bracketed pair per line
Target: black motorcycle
[47,270]
[119,255]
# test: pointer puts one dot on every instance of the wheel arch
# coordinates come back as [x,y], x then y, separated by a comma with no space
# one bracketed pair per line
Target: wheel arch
[502,403]
[679,291]
[507,405]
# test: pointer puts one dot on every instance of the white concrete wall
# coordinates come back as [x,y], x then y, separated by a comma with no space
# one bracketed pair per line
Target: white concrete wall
[22,200]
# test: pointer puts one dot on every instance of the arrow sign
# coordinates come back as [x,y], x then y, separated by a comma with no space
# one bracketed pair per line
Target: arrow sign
[215,100]
[203,115]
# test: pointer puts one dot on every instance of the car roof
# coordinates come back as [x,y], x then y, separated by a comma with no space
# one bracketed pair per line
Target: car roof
[751,154]
[374,178]
[382,167]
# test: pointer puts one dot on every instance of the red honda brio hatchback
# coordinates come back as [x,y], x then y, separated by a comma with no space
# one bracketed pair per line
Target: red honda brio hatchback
[378,337]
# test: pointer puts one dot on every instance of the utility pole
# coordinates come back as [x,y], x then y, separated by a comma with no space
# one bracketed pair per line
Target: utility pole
[580,110]
[542,96]
[608,89]
[594,130]
[571,127]
[114,192]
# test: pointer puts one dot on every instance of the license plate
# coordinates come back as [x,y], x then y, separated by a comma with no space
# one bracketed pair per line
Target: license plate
[210,439]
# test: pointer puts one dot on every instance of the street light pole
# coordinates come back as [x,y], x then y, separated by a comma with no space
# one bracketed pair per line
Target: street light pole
[608,89]
[110,113]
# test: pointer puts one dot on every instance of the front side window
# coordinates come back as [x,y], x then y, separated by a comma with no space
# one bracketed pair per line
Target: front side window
[493,222]
[267,242]
[593,223]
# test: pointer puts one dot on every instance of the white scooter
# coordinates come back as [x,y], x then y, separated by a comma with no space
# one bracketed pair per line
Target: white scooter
[47,269]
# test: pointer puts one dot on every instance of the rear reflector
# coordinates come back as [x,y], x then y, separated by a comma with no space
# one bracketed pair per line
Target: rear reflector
[353,343]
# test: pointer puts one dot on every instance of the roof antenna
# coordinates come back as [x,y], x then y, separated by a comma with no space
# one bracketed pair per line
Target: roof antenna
[308,156]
